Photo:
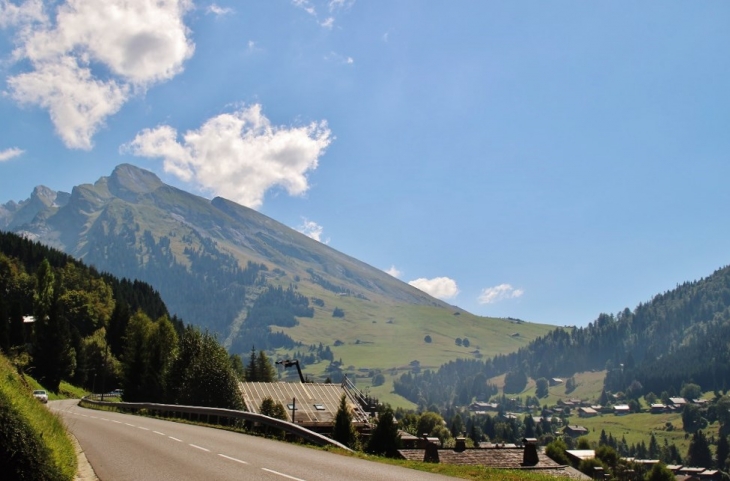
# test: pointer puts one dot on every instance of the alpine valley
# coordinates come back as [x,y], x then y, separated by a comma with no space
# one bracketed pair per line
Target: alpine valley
[256,282]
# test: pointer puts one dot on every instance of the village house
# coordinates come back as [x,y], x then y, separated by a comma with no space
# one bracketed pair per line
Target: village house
[587,412]
[621,409]
[575,431]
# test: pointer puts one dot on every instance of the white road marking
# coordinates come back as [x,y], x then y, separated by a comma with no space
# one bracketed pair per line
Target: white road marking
[129,424]
[282,474]
[198,447]
[175,439]
[232,459]
[104,419]
[157,432]
[145,429]
[118,422]
[93,417]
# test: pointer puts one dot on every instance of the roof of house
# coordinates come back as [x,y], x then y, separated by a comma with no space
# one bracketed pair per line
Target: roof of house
[314,403]
[495,457]
[582,453]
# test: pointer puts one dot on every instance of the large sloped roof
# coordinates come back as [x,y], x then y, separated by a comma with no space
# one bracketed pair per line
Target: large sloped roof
[315,403]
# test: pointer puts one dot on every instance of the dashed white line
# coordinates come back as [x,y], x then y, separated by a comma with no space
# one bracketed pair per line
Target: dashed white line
[157,432]
[144,429]
[232,459]
[129,424]
[175,439]
[282,474]
[118,422]
[104,419]
[199,447]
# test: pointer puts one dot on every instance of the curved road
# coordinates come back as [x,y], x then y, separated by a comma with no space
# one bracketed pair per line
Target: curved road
[124,447]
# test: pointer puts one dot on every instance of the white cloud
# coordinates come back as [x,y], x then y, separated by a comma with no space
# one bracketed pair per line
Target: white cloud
[491,295]
[340,4]
[25,13]
[393,271]
[239,155]
[336,57]
[439,287]
[313,6]
[136,42]
[218,10]
[312,229]
[10,153]
[305,5]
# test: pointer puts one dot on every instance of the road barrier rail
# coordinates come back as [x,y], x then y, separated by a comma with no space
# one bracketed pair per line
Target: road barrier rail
[163,410]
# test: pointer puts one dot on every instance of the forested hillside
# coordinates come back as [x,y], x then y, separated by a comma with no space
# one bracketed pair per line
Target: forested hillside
[680,336]
[61,320]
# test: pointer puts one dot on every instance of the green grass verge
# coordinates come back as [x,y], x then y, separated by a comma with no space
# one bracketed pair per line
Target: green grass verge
[34,439]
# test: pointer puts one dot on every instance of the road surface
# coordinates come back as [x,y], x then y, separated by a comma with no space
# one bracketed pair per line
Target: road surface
[123,447]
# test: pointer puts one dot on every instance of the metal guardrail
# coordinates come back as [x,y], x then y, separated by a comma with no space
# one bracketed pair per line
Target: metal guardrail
[286,426]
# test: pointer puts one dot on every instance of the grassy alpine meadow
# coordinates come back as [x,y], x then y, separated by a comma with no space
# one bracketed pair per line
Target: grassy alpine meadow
[640,426]
[377,334]
[43,446]
[588,387]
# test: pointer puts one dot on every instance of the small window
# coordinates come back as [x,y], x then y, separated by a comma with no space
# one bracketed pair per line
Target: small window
[319,407]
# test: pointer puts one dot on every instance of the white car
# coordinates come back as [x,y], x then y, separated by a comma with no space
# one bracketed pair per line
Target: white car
[41,395]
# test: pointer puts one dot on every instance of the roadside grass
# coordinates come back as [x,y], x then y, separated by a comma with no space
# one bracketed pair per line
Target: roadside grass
[48,428]
[65,391]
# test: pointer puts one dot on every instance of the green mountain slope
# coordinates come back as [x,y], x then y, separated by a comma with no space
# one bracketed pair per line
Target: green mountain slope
[215,262]
[680,336]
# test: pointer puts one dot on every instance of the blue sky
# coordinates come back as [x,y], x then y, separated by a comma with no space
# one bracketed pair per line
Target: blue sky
[541,160]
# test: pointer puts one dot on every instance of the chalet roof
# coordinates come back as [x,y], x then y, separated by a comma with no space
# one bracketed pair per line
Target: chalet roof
[497,457]
[316,403]
[582,453]
[493,457]
[677,400]
[588,410]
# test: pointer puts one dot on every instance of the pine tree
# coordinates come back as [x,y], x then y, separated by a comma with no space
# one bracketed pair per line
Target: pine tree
[698,453]
[385,439]
[721,453]
[344,432]
[265,370]
[252,368]
[53,356]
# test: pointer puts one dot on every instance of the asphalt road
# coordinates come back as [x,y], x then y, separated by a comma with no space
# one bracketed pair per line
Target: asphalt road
[123,447]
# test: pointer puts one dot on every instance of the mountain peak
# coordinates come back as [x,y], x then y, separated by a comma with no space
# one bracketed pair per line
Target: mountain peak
[44,195]
[128,181]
